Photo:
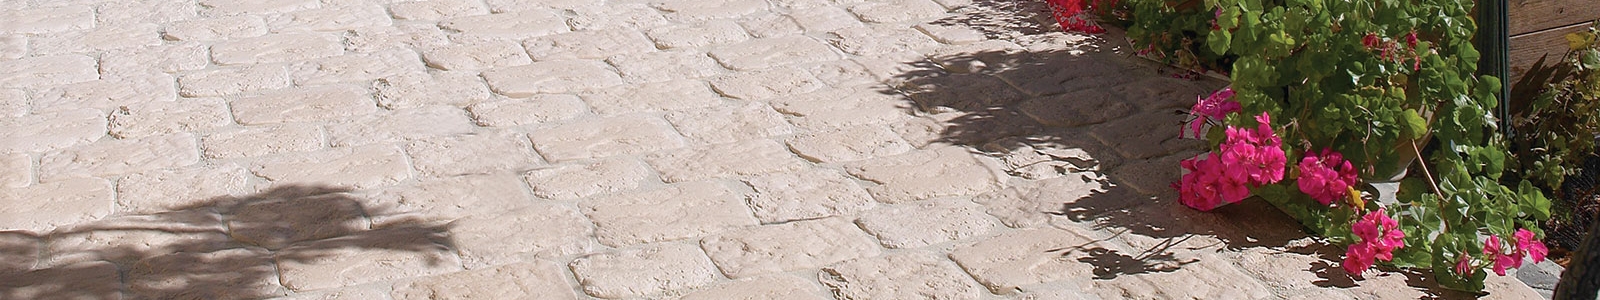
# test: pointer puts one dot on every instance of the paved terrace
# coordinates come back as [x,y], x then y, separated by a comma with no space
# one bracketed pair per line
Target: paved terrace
[618,149]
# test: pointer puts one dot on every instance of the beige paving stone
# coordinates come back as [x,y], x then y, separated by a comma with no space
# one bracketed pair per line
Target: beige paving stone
[809,194]
[97,40]
[805,4]
[13,102]
[672,212]
[91,280]
[767,25]
[304,105]
[403,35]
[130,238]
[727,124]
[107,94]
[476,54]
[1031,206]
[44,71]
[1207,276]
[262,141]
[522,280]
[898,11]
[848,144]
[419,89]
[359,292]
[698,35]
[22,251]
[237,80]
[542,230]
[840,108]
[356,67]
[587,44]
[240,7]
[16,170]
[512,25]
[479,153]
[824,19]
[355,167]
[647,271]
[664,66]
[41,207]
[215,29]
[924,174]
[699,10]
[771,52]
[120,157]
[499,6]
[437,9]
[903,275]
[766,84]
[562,76]
[121,13]
[330,18]
[166,58]
[47,19]
[230,273]
[12,46]
[536,110]
[926,224]
[1148,176]
[185,188]
[953,35]
[604,137]
[52,131]
[276,48]
[374,256]
[446,199]
[788,247]
[1029,256]
[746,158]
[159,118]
[400,125]
[581,180]
[1048,75]
[1140,136]
[1077,108]
[760,288]
[880,39]
[616,16]
[278,223]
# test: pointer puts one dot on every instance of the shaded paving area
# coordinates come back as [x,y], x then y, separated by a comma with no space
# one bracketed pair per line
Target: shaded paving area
[620,149]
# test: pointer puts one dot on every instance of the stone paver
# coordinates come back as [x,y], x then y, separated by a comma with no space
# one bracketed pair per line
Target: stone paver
[903,275]
[673,212]
[787,247]
[646,271]
[808,194]
[623,149]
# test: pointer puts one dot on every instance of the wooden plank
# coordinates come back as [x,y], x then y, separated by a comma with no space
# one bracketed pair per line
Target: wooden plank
[1526,49]
[1535,15]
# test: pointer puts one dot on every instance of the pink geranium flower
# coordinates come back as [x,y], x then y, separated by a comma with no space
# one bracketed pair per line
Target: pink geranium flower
[1214,107]
[1529,244]
[1379,236]
[1249,158]
[1327,176]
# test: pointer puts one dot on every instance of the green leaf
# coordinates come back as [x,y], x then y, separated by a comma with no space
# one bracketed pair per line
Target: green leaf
[1533,201]
[1414,125]
[1219,41]
[1590,59]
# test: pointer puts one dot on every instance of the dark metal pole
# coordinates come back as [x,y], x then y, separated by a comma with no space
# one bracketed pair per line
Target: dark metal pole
[1494,44]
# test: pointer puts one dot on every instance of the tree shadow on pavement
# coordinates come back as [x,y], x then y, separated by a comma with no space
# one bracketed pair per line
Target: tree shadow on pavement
[221,248]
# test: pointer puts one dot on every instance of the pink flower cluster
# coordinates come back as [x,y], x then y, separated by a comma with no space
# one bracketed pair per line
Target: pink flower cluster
[1527,245]
[1380,235]
[1214,107]
[1326,176]
[1249,157]
[1073,15]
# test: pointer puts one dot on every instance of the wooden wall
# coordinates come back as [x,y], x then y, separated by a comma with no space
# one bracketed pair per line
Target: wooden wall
[1539,27]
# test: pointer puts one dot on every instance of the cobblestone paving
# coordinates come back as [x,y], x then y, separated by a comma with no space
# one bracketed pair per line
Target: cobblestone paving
[618,149]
